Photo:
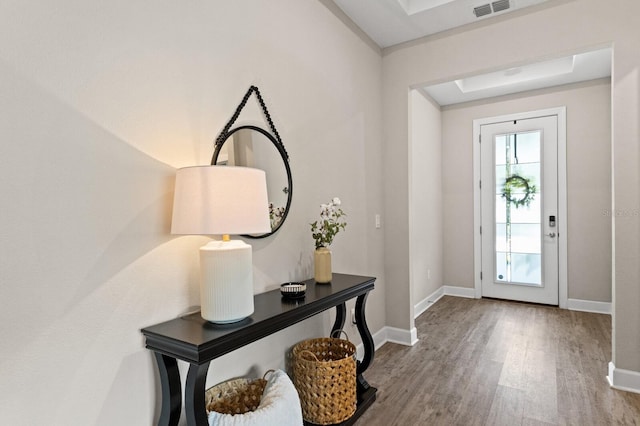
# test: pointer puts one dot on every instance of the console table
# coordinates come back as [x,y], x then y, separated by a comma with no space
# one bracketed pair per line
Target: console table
[197,341]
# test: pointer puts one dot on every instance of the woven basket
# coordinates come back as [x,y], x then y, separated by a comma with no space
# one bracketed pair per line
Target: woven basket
[236,396]
[324,374]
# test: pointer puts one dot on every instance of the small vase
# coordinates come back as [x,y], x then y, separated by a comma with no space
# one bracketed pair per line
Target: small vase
[322,271]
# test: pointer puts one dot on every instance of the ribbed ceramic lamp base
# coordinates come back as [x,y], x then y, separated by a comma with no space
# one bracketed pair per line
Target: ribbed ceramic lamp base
[226,281]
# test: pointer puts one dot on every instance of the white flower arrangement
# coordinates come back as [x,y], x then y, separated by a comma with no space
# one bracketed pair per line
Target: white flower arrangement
[275,215]
[325,230]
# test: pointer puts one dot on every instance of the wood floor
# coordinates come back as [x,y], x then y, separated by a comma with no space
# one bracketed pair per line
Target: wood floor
[488,362]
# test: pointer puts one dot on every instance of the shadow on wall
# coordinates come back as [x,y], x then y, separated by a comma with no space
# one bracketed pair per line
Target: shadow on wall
[118,403]
[85,204]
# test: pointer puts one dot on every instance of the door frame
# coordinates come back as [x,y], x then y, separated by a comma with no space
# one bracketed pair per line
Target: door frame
[561,113]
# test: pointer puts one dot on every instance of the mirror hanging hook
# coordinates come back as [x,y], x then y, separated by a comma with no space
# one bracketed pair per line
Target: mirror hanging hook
[225,131]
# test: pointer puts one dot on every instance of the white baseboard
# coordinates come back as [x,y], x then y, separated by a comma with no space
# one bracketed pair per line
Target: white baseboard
[410,337]
[402,337]
[467,292]
[572,304]
[625,380]
[589,306]
[427,302]
[445,290]
[380,338]
[392,335]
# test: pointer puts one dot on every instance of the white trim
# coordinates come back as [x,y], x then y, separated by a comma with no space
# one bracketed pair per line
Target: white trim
[625,380]
[447,290]
[410,337]
[402,337]
[427,302]
[467,292]
[589,306]
[572,304]
[563,258]
[379,338]
[390,335]
[393,335]
[561,113]
[477,210]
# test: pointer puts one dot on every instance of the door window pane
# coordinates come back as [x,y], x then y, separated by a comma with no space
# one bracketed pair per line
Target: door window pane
[518,208]
[526,268]
[524,214]
[518,268]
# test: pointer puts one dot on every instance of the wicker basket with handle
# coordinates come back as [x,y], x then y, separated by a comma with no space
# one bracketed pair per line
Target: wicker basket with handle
[324,374]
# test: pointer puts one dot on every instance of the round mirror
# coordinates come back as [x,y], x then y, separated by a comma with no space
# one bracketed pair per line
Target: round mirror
[250,146]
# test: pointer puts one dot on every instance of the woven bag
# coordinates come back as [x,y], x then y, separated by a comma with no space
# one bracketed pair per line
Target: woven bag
[324,374]
[236,396]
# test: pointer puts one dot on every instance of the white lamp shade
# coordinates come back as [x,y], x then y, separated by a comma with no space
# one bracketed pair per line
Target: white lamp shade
[220,200]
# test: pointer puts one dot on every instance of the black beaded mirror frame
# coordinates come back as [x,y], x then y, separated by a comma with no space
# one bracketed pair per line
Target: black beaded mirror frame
[274,138]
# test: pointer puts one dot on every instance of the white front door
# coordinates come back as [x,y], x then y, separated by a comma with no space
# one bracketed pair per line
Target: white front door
[520,227]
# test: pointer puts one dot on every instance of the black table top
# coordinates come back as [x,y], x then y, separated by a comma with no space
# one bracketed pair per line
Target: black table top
[195,340]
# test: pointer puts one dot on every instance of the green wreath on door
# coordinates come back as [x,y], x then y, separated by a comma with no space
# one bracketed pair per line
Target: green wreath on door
[518,191]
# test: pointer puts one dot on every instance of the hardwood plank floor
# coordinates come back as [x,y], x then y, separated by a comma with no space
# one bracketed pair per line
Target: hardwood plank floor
[489,362]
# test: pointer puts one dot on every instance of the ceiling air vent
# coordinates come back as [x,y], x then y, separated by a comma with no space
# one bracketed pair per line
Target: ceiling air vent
[479,11]
[500,5]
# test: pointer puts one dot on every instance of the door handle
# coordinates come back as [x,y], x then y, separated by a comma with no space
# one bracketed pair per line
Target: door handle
[551,234]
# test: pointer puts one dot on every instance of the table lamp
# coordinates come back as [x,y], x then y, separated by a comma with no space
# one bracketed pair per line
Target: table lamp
[222,200]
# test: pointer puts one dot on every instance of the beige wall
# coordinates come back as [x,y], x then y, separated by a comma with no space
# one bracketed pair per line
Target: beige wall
[561,27]
[99,102]
[588,182]
[425,189]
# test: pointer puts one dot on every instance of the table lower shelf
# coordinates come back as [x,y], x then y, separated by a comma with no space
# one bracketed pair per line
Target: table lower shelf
[364,401]
[194,340]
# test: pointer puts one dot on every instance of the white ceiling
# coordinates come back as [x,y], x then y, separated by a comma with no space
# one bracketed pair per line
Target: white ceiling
[539,75]
[391,22]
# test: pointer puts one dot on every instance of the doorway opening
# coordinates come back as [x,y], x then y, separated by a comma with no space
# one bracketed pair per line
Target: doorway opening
[520,207]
